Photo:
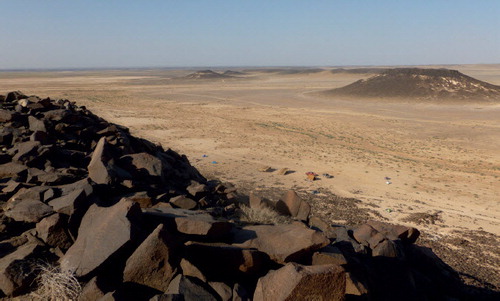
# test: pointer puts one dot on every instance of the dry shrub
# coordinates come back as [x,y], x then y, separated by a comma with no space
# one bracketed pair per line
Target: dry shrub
[54,284]
[264,215]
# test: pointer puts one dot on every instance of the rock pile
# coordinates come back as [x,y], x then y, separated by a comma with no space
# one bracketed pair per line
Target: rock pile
[133,221]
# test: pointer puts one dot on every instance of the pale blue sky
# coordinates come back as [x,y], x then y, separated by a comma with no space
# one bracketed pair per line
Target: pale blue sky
[126,33]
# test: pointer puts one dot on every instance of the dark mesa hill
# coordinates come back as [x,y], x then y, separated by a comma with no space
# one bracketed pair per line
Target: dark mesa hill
[416,83]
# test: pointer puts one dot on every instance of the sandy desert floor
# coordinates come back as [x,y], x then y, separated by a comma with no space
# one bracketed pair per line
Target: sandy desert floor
[442,160]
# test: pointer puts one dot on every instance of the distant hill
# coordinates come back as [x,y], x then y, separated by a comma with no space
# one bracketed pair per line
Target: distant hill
[359,70]
[207,74]
[286,71]
[421,84]
[233,73]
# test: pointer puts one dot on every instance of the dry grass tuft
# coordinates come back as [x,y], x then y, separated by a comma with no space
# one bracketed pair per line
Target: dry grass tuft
[263,215]
[54,284]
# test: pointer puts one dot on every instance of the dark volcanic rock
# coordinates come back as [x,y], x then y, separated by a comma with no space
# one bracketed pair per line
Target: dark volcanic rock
[27,210]
[191,223]
[18,269]
[291,204]
[192,289]
[421,84]
[15,95]
[154,262]
[53,231]
[103,232]
[221,262]
[183,202]
[143,164]
[101,169]
[298,282]
[36,124]
[406,234]
[283,243]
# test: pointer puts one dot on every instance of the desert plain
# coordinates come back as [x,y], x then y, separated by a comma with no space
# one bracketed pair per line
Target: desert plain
[434,165]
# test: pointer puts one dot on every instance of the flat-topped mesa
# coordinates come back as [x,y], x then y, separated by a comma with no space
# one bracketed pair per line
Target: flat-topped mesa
[417,83]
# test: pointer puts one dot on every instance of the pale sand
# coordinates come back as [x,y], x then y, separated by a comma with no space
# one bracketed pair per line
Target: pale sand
[442,159]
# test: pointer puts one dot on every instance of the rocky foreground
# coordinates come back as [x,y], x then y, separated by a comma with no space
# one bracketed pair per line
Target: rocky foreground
[133,221]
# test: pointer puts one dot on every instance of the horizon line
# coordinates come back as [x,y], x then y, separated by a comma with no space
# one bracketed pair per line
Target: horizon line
[220,67]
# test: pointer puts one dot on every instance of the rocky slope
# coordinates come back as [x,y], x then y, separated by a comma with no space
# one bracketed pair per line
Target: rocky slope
[420,84]
[133,221]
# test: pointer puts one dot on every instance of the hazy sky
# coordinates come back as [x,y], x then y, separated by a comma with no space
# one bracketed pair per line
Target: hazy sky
[125,33]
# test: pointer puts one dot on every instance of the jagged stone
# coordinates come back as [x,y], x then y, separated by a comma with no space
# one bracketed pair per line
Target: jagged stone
[143,164]
[102,233]
[291,204]
[25,151]
[98,169]
[12,187]
[346,243]
[6,135]
[188,222]
[101,170]
[197,190]
[17,270]
[318,224]
[354,286]
[223,290]
[36,125]
[393,232]
[222,262]
[368,236]
[298,282]
[283,243]
[12,169]
[386,248]
[82,185]
[39,136]
[142,198]
[15,95]
[329,255]
[154,262]
[56,115]
[255,201]
[191,289]
[183,202]
[26,210]
[53,231]
[189,269]
[67,204]
[91,291]
[10,245]
[48,195]
[6,116]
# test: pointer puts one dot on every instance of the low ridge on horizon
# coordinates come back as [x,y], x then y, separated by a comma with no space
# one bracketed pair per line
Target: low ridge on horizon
[207,74]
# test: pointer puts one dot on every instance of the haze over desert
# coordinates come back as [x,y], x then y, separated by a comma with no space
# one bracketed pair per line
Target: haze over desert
[441,158]
[429,164]
[250,150]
